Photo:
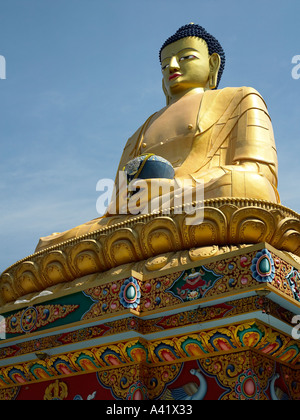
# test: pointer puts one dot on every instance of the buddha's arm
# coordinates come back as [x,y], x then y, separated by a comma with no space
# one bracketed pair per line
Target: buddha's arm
[246,179]
[211,175]
[247,157]
[130,151]
[250,168]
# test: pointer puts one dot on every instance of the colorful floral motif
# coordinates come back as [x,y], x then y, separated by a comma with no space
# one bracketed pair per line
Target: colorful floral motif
[150,295]
[236,273]
[130,293]
[247,386]
[137,392]
[35,317]
[57,391]
[149,382]
[148,326]
[207,281]
[243,375]
[150,362]
[194,283]
[263,268]
[255,335]
[293,279]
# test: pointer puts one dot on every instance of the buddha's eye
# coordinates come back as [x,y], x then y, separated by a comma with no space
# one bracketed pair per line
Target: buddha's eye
[187,57]
[165,66]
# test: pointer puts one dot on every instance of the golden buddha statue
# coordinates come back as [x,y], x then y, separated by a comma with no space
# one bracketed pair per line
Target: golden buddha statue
[219,141]
[220,138]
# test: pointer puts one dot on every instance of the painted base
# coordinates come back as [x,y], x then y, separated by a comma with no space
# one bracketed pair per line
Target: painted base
[245,375]
[219,328]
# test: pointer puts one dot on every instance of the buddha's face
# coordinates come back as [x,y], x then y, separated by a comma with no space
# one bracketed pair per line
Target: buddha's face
[186,64]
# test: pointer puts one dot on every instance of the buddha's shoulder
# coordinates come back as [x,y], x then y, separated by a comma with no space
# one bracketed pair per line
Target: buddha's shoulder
[241,91]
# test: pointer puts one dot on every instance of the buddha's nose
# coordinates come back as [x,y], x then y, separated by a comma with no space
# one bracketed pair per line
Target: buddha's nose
[174,65]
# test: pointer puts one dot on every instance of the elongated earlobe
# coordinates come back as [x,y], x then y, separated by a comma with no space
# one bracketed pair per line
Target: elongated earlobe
[214,65]
[166,93]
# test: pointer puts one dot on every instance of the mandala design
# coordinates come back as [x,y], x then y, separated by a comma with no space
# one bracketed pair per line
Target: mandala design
[294,281]
[193,284]
[130,293]
[9,394]
[29,319]
[138,381]
[207,281]
[263,268]
[137,391]
[56,391]
[247,386]
[35,317]
[243,376]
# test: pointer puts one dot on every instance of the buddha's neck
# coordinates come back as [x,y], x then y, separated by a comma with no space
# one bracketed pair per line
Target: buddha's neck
[176,96]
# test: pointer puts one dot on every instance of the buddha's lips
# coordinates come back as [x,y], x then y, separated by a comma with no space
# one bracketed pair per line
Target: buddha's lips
[174,75]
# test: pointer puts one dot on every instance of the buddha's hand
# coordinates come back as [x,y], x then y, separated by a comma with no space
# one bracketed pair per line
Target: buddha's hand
[151,195]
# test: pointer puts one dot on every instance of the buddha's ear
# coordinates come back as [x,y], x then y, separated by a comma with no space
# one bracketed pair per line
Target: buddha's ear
[214,65]
[165,92]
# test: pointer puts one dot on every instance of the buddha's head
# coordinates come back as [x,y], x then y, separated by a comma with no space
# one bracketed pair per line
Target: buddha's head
[191,58]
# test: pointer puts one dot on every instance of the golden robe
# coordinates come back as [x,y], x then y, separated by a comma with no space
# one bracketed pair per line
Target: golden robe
[223,138]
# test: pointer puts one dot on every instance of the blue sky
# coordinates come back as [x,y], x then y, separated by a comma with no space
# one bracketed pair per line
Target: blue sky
[83,75]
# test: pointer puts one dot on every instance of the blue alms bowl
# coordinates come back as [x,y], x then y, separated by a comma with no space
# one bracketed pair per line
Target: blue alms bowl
[148,166]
